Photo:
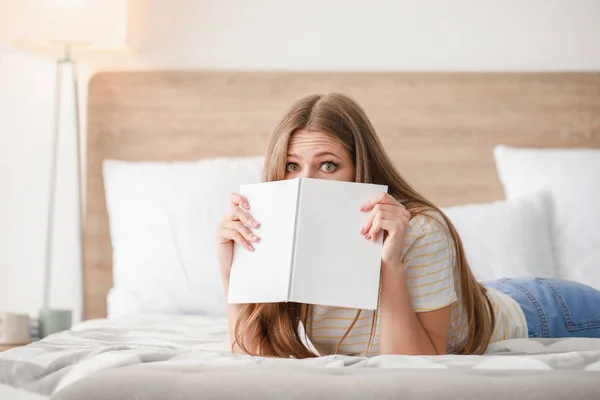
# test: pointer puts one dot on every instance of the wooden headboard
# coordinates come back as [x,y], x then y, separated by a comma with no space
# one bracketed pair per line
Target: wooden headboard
[439,128]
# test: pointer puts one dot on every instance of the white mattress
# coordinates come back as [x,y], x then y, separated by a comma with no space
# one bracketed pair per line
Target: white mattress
[40,369]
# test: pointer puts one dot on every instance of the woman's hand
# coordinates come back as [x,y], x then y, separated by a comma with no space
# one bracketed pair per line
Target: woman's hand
[235,227]
[389,216]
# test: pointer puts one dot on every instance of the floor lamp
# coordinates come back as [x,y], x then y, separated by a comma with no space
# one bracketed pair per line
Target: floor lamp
[54,320]
[66,25]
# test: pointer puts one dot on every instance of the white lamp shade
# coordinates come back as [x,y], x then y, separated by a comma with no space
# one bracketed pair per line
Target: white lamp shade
[100,24]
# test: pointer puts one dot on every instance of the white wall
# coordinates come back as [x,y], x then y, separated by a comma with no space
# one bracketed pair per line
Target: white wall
[478,35]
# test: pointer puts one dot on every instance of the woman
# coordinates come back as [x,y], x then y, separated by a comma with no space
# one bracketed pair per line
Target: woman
[430,302]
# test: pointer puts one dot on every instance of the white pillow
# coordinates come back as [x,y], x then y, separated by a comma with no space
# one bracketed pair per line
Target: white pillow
[163,218]
[506,238]
[572,176]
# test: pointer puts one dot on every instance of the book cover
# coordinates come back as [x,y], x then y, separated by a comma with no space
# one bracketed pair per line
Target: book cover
[311,250]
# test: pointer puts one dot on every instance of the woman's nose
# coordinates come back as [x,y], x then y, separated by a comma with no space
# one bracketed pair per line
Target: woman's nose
[308,173]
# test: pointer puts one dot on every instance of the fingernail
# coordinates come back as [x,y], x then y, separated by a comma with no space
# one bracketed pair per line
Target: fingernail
[362,208]
[255,224]
[254,237]
[362,231]
[368,237]
[246,206]
[250,247]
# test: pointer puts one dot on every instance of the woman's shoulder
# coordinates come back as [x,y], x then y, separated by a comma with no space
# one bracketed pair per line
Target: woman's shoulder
[427,227]
[430,260]
[427,223]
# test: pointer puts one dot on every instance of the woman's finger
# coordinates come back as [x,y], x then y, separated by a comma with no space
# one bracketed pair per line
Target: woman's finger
[375,229]
[237,214]
[367,226]
[382,198]
[241,228]
[237,200]
[231,234]
[389,223]
[387,209]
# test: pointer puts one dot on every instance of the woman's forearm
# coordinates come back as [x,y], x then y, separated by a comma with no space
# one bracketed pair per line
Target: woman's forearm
[233,314]
[401,332]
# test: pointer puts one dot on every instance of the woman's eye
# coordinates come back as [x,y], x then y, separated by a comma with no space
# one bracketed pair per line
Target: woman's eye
[328,166]
[292,167]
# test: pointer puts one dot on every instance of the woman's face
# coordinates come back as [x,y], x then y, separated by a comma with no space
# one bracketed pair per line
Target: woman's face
[320,156]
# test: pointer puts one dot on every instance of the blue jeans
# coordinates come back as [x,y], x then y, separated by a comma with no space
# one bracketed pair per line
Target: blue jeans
[554,308]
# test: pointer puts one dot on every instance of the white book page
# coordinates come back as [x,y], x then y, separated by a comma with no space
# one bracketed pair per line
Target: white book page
[262,275]
[334,264]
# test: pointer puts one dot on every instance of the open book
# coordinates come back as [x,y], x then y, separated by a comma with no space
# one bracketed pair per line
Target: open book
[311,249]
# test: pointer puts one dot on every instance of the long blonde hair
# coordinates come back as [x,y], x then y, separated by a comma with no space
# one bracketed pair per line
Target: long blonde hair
[276,324]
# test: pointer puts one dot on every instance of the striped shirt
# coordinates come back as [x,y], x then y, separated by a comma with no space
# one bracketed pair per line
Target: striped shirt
[433,282]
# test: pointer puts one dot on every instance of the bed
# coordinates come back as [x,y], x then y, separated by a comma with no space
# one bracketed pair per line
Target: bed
[440,129]
[187,357]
